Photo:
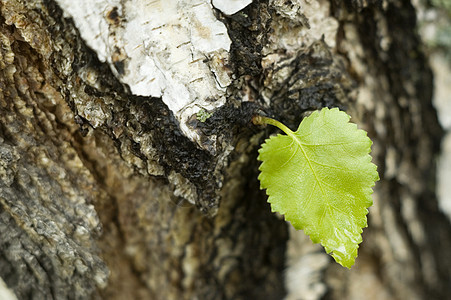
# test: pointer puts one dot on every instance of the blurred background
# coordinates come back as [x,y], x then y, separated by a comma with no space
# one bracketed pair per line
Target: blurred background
[435,28]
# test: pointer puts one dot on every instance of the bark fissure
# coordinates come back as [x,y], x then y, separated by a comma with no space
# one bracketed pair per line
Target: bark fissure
[92,175]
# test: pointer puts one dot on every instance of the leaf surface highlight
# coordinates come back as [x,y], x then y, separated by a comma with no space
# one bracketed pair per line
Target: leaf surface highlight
[321,177]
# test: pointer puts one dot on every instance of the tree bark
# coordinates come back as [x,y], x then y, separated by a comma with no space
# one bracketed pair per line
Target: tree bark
[108,193]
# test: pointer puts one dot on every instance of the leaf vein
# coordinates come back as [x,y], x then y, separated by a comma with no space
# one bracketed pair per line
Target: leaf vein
[293,155]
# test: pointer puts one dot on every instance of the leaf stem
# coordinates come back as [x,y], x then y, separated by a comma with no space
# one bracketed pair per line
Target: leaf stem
[261,120]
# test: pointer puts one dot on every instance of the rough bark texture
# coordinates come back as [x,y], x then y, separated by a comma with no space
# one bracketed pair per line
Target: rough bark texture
[82,213]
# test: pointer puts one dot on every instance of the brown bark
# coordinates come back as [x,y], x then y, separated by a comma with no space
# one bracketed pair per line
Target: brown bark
[87,209]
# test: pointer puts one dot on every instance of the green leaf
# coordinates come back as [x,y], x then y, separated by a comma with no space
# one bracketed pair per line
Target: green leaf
[321,177]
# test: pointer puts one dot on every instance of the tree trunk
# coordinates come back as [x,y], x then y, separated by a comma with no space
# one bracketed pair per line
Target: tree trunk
[122,183]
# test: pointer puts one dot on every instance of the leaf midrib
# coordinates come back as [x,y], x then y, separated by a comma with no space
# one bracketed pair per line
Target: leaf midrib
[297,140]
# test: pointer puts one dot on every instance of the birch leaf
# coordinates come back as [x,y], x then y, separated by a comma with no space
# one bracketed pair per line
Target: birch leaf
[321,177]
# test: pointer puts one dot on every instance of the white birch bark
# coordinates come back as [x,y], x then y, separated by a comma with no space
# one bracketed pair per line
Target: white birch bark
[91,170]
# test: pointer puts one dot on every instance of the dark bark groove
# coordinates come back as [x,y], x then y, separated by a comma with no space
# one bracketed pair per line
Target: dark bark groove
[95,182]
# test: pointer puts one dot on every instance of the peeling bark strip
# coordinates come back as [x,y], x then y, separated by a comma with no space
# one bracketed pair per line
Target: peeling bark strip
[97,144]
[176,50]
